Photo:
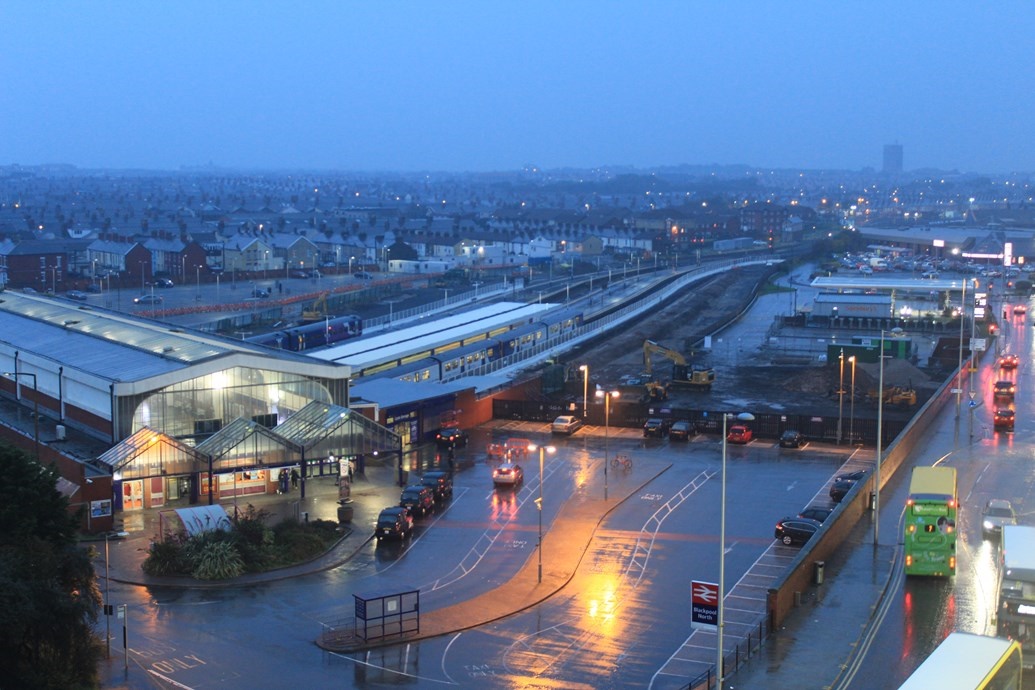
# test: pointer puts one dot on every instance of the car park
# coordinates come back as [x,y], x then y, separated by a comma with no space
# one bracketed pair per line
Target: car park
[681,431]
[655,427]
[1004,389]
[77,295]
[739,434]
[997,513]
[508,474]
[394,522]
[148,299]
[817,513]
[795,530]
[792,438]
[419,499]
[565,424]
[440,483]
[1003,419]
[451,437]
[1009,361]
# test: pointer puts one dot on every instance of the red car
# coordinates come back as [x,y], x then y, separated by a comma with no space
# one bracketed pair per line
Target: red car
[1009,361]
[1003,419]
[739,434]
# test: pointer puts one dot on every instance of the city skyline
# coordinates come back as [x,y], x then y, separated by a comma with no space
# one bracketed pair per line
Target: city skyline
[472,87]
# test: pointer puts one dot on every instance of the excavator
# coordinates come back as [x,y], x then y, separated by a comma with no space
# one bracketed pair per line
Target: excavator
[317,311]
[682,373]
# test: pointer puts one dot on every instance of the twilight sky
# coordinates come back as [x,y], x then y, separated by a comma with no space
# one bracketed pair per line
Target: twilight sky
[476,85]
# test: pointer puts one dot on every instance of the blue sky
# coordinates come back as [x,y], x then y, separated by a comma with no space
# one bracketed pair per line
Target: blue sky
[483,85]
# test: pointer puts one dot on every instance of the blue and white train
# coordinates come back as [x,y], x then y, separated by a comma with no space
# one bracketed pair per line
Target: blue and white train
[312,335]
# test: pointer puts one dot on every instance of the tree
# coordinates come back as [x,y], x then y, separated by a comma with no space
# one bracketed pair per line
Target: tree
[49,597]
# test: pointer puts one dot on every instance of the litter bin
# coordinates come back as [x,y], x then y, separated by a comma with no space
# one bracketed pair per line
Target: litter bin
[344,514]
[821,567]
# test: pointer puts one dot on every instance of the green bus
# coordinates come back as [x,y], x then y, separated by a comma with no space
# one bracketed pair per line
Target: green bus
[930,522]
[967,661]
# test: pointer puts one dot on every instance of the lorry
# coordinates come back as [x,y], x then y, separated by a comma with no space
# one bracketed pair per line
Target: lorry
[683,374]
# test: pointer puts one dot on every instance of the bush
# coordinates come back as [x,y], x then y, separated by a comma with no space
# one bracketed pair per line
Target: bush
[166,558]
[217,560]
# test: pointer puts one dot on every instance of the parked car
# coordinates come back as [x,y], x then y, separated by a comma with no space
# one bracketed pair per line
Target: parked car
[418,498]
[440,483]
[508,474]
[792,439]
[394,522]
[817,513]
[1003,419]
[566,424]
[1009,361]
[796,530]
[1004,389]
[451,437]
[655,427]
[161,282]
[148,299]
[681,431]
[840,488]
[739,434]
[299,273]
[362,275]
[997,512]
[77,295]
[262,292]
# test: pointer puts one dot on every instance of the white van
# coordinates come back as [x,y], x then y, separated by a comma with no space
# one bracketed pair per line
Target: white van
[566,424]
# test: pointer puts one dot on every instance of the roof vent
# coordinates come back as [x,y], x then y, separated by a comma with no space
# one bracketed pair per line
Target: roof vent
[168,348]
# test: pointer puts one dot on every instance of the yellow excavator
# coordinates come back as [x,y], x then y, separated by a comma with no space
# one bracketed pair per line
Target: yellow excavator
[682,373]
[317,311]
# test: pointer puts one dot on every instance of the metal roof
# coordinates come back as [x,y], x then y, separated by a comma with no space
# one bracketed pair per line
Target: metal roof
[914,285]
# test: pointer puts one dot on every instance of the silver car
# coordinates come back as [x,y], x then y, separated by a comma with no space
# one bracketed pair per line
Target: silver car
[997,512]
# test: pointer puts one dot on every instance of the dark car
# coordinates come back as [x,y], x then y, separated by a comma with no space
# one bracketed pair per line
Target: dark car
[299,273]
[792,439]
[451,437]
[655,427]
[841,487]
[440,483]
[1009,361]
[93,287]
[362,275]
[394,522]
[262,292]
[1004,389]
[817,513]
[418,498]
[77,294]
[681,431]
[796,530]
[161,282]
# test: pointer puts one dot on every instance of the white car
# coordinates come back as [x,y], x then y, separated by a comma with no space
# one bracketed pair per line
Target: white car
[508,474]
[566,424]
[148,299]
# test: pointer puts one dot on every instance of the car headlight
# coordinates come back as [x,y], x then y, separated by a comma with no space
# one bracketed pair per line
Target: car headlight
[988,524]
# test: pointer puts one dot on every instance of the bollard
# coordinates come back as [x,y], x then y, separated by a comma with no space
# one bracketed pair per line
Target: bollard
[797,599]
[305,516]
[873,500]
[820,571]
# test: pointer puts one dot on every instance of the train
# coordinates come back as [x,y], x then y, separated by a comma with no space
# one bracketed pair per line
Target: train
[312,335]
[472,353]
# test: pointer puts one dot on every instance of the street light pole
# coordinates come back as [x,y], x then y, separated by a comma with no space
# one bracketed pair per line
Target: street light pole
[746,417]
[880,438]
[539,502]
[851,414]
[584,368]
[606,395]
[841,396]
[959,365]
[35,405]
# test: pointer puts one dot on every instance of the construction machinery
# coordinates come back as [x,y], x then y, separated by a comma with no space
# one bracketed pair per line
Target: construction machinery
[317,311]
[683,374]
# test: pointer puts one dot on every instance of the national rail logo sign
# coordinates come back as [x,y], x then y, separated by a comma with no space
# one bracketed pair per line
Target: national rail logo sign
[704,604]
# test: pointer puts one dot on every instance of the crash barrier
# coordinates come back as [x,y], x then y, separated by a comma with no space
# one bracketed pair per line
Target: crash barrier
[785,594]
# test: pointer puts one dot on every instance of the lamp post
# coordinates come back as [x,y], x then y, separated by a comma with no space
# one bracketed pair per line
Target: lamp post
[851,413]
[959,365]
[841,396]
[35,405]
[351,259]
[880,434]
[606,395]
[584,368]
[744,417]
[543,450]
[197,270]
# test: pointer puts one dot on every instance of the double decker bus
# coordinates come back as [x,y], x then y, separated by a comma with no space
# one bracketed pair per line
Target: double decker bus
[930,522]
[966,661]
[1015,618]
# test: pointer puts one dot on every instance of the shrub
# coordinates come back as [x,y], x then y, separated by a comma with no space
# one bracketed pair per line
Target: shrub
[166,558]
[217,560]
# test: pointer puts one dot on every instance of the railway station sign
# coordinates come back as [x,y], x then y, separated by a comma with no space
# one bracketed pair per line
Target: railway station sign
[704,604]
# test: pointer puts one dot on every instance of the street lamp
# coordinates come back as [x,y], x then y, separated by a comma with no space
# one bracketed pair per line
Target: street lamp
[351,259]
[198,271]
[584,368]
[606,395]
[35,405]
[744,417]
[851,414]
[841,396]
[543,450]
[880,433]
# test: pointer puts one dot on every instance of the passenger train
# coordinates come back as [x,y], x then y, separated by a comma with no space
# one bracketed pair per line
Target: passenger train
[312,335]
[475,351]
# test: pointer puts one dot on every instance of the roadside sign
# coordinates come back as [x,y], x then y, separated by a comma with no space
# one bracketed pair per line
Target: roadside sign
[978,344]
[704,604]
